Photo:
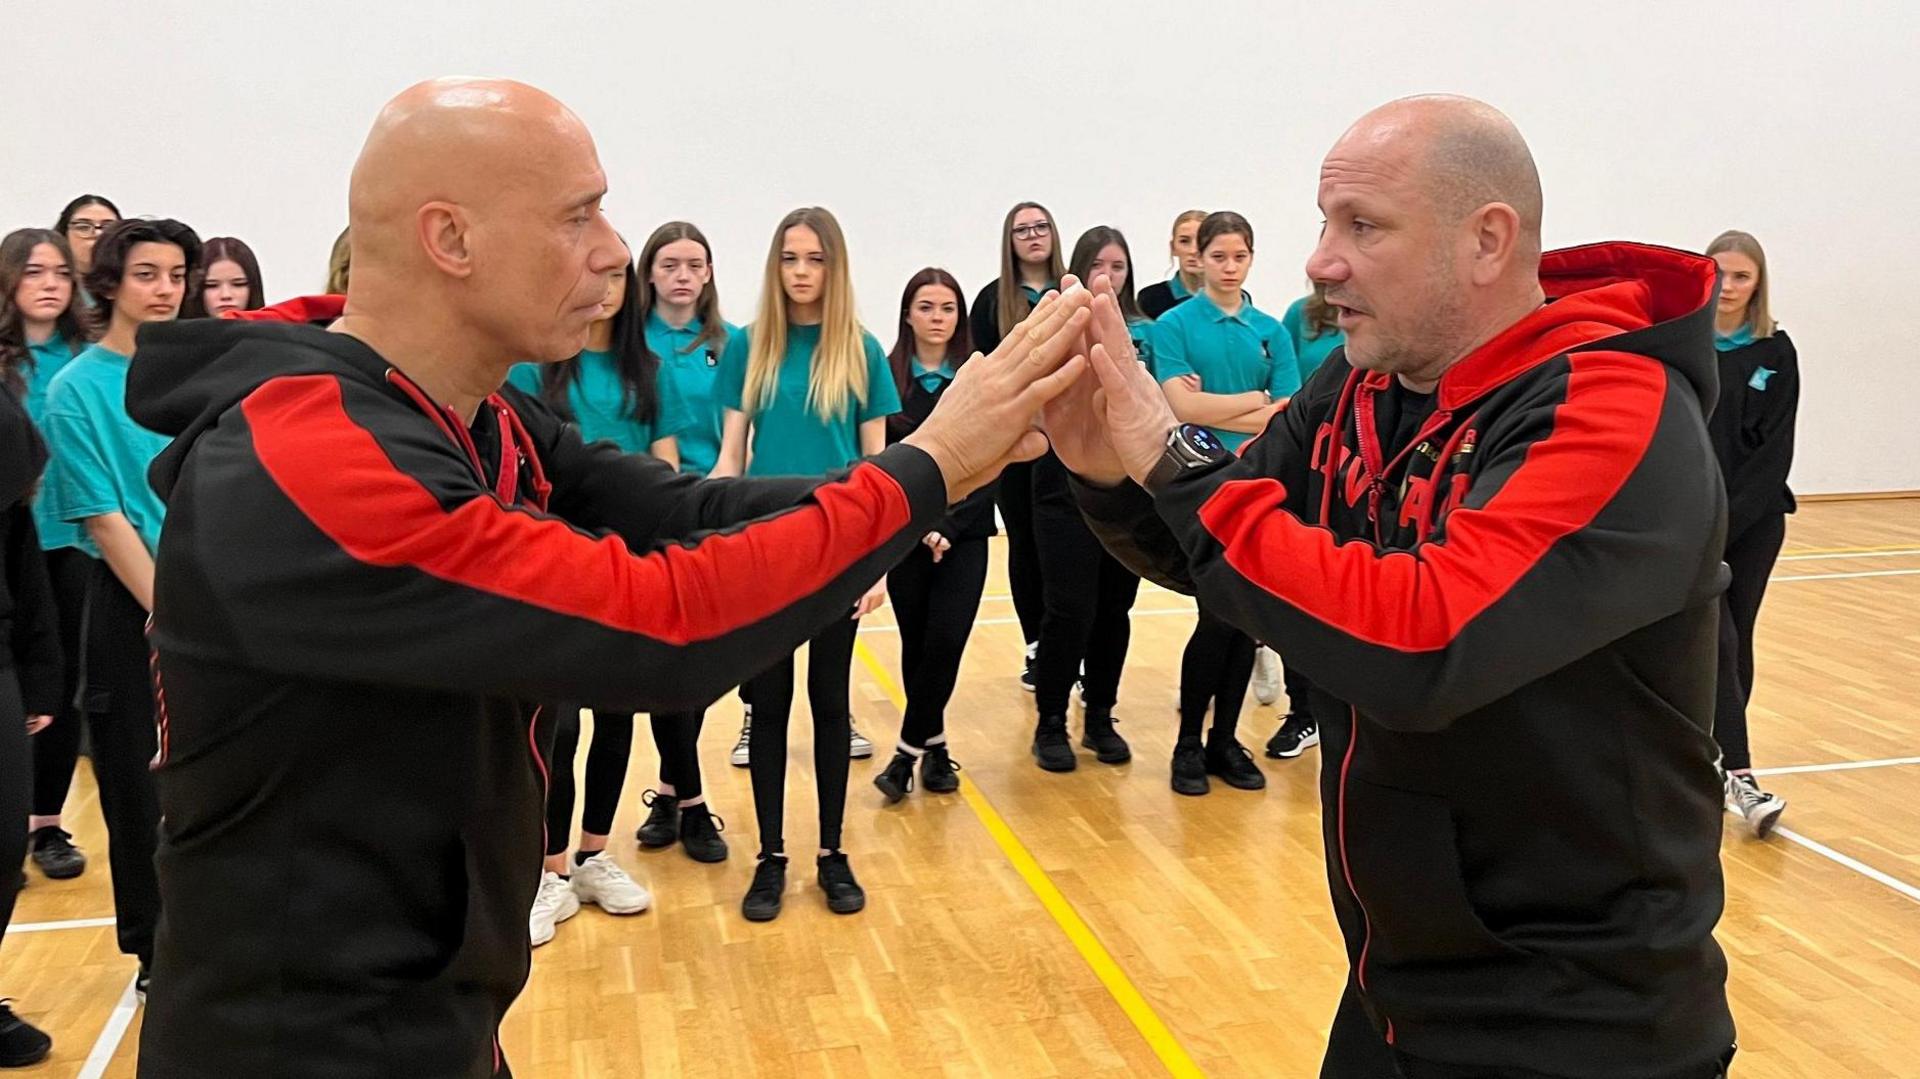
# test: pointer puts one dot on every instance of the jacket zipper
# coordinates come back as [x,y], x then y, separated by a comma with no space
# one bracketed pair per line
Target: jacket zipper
[1346,868]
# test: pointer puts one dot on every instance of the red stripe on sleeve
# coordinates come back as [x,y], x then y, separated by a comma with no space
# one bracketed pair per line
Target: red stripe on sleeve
[335,472]
[1416,602]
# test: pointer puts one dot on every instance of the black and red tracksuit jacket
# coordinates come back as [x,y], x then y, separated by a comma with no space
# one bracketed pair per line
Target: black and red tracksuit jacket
[1510,623]
[356,593]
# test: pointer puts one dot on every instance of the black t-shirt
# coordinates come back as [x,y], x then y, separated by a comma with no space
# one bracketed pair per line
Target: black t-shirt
[1397,416]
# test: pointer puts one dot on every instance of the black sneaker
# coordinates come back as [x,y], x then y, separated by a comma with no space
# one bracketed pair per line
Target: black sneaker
[1026,671]
[937,770]
[21,1043]
[1190,767]
[1297,734]
[762,903]
[700,834]
[896,779]
[844,895]
[1098,735]
[55,854]
[1051,747]
[662,826]
[1234,765]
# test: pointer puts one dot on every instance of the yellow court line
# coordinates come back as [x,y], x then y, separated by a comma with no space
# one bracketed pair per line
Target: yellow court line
[1144,1018]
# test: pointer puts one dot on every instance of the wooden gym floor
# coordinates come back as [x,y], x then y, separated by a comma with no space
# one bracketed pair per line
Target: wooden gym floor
[1096,924]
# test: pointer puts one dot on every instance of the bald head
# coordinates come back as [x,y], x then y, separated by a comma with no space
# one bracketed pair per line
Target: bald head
[474,212]
[1464,154]
[1432,241]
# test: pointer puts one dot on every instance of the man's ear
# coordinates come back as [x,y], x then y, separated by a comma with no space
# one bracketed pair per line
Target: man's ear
[444,229]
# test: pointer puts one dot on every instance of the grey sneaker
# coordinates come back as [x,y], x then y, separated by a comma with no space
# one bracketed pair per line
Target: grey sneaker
[1760,809]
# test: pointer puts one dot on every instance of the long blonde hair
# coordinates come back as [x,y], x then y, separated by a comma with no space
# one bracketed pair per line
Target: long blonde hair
[1012,302]
[1759,312]
[839,371]
[338,261]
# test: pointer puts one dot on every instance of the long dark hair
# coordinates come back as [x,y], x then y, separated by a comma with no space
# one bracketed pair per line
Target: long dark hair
[1012,303]
[16,359]
[905,345]
[1089,246]
[706,308]
[638,367]
[79,204]
[232,250]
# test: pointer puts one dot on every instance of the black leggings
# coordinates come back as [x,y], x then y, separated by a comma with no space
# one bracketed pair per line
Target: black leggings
[1215,670]
[56,749]
[1088,594]
[116,691]
[1015,498]
[606,774]
[935,604]
[677,736]
[1751,557]
[829,668]
[16,791]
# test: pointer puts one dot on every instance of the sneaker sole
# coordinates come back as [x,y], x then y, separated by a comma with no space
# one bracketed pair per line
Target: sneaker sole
[1045,767]
[740,760]
[892,790]
[705,857]
[656,843]
[622,911]
[842,906]
[760,914]
[1763,827]
[860,754]
[60,873]
[1109,758]
[942,789]
[21,1060]
[1288,754]
[1247,785]
[1193,792]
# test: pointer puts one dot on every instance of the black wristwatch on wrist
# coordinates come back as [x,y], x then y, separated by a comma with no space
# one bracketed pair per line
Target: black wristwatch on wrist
[1190,448]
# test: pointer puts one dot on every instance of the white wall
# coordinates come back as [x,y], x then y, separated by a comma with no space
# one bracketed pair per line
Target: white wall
[920,122]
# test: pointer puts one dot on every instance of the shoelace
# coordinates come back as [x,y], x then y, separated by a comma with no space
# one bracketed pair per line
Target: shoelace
[746,732]
[719,823]
[1746,794]
[650,796]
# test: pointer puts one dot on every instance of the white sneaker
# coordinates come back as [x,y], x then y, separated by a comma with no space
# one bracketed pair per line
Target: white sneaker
[858,747]
[600,880]
[740,750]
[1760,809]
[553,904]
[1266,675]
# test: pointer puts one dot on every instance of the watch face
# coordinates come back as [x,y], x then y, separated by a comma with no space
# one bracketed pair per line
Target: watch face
[1204,440]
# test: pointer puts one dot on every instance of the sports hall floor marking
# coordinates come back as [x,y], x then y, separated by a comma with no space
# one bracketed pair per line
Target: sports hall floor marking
[43,927]
[1837,766]
[1820,555]
[1138,1011]
[112,1034]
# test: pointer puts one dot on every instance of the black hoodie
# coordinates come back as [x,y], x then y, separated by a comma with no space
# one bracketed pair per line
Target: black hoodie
[1510,622]
[352,599]
[29,629]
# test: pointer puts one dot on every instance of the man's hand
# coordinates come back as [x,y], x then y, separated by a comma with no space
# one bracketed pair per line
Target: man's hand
[985,418]
[36,724]
[1128,412]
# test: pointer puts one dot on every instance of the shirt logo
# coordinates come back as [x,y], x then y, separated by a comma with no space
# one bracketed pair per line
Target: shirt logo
[1760,377]
[713,358]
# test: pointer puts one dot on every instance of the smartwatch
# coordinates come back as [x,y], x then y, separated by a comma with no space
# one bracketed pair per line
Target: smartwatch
[1190,448]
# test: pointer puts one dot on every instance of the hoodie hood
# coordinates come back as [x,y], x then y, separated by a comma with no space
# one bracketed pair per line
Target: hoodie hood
[186,374]
[1610,297]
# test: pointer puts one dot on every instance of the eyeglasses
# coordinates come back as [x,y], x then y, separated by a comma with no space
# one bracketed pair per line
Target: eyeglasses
[87,228]
[1029,232]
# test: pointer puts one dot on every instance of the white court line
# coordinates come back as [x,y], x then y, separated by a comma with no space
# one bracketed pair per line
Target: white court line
[112,1034]
[1016,621]
[1846,576]
[45,927]
[1838,766]
[1822,556]
[1854,864]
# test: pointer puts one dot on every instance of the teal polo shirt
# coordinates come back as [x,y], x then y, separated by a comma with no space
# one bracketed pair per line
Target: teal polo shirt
[1141,330]
[100,456]
[1238,353]
[692,371]
[1310,351]
[789,438]
[933,379]
[49,358]
[599,402]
